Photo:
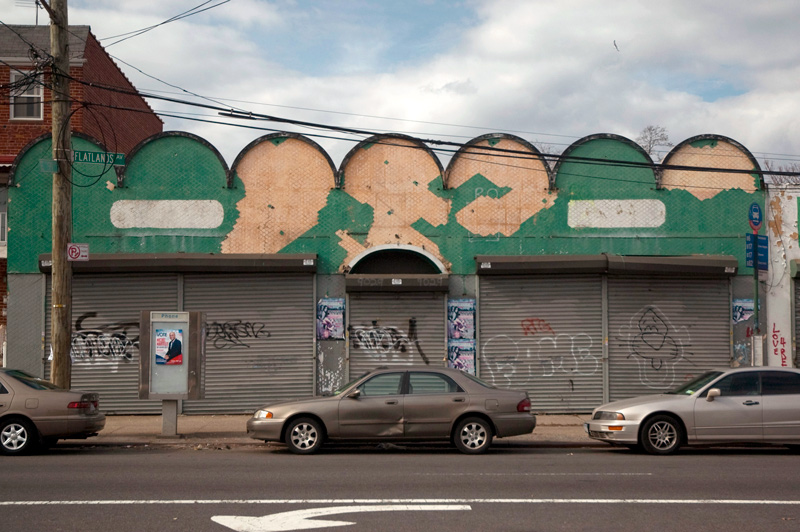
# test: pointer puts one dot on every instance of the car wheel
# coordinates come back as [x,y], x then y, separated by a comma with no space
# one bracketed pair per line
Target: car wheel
[473,436]
[304,436]
[17,436]
[661,435]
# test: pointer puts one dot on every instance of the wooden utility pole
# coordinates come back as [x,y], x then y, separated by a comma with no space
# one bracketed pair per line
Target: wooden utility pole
[61,313]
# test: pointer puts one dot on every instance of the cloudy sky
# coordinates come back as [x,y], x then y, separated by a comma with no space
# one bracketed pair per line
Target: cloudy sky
[549,72]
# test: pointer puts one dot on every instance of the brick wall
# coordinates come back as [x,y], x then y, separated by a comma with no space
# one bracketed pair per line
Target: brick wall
[119,130]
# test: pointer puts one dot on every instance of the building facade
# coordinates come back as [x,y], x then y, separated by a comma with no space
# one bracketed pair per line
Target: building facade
[590,276]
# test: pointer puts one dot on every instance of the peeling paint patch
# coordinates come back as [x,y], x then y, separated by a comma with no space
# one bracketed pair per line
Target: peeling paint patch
[167,214]
[615,213]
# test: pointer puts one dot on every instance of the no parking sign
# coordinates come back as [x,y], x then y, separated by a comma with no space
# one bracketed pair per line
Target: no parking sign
[77,252]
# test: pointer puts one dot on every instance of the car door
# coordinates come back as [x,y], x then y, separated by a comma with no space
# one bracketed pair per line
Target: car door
[377,410]
[6,395]
[433,400]
[735,415]
[780,393]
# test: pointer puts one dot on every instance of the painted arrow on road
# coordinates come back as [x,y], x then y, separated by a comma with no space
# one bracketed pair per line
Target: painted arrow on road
[301,519]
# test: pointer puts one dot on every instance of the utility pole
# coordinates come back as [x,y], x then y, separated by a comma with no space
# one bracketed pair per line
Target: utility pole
[61,313]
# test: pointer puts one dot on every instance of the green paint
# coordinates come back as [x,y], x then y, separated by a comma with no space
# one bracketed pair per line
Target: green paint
[277,141]
[493,142]
[367,146]
[385,162]
[704,143]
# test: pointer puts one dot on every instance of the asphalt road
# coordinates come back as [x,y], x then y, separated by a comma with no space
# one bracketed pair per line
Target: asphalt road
[391,489]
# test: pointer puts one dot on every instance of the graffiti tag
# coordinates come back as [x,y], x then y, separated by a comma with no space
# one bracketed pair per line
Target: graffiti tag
[232,334]
[107,342]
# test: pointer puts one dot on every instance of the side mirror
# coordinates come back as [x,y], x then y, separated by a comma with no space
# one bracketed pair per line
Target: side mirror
[712,393]
[355,394]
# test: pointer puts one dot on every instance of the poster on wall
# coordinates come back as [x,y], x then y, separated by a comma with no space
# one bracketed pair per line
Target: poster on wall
[169,347]
[461,355]
[743,310]
[330,319]
[461,319]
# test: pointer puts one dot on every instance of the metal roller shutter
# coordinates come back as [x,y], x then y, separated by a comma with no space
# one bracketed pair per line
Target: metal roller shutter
[544,334]
[396,329]
[665,331]
[105,336]
[260,344]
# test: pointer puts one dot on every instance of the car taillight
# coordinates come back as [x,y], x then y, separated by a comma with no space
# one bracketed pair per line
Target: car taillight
[84,405]
[524,405]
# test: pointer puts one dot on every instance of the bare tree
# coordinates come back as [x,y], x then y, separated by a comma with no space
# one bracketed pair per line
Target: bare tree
[653,136]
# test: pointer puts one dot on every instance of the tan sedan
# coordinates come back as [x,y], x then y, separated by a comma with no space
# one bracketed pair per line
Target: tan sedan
[406,404]
[34,413]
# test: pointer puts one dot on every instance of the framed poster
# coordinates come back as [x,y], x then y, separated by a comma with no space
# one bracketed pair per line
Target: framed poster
[169,347]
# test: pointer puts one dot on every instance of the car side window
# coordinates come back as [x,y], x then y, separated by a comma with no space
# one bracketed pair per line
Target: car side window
[430,383]
[739,384]
[2,389]
[780,383]
[384,384]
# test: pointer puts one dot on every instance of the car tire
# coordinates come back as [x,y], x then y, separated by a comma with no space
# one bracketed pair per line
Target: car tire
[473,435]
[793,447]
[661,435]
[17,436]
[304,436]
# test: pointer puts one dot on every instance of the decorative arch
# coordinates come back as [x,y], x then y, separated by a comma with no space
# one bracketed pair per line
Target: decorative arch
[502,180]
[422,261]
[709,152]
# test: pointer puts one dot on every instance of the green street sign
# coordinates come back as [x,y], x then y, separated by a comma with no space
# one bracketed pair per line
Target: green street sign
[98,157]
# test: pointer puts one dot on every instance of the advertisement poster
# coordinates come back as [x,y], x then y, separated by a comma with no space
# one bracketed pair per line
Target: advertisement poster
[743,310]
[169,347]
[330,319]
[461,355]
[461,319]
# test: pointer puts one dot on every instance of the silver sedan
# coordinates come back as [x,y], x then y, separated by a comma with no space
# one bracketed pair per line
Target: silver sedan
[743,405]
[399,404]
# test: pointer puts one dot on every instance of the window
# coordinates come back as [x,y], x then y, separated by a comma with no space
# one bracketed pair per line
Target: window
[780,383]
[3,389]
[739,384]
[3,232]
[27,96]
[427,383]
[384,384]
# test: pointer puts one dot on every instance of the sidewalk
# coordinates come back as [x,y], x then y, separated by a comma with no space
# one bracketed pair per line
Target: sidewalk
[230,430]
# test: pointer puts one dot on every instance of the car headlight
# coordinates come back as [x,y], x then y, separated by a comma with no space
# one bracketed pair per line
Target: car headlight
[609,416]
[263,414]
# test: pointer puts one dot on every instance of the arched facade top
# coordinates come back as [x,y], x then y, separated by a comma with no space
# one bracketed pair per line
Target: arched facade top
[42,138]
[389,248]
[492,139]
[629,157]
[277,138]
[711,151]
[160,137]
[387,140]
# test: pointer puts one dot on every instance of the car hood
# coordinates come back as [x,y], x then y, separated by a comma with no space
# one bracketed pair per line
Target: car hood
[299,401]
[642,400]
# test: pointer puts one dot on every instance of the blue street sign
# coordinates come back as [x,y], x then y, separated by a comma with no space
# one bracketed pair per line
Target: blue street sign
[763,251]
[754,216]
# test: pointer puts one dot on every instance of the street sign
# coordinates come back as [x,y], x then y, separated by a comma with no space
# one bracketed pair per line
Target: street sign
[763,251]
[754,216]
[77,252]
[98,157]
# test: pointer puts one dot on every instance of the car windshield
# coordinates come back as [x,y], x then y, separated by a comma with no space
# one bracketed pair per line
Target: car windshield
[476,379]
[691,387]
[29,380]
[342,388]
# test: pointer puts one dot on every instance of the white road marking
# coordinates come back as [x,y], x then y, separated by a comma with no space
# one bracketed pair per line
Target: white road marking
[301,519]
[771,502]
